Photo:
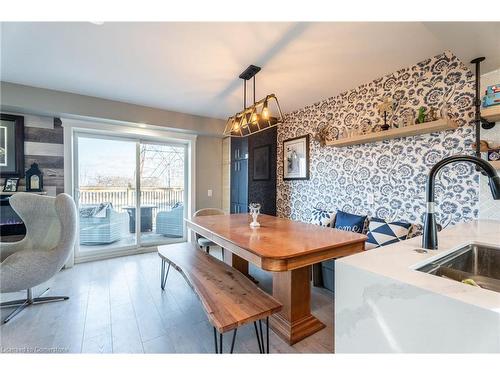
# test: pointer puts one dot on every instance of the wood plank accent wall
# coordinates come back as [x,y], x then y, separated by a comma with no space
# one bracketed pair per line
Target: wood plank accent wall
[43,143]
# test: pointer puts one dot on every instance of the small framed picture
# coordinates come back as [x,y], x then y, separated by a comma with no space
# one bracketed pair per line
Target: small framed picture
[11,184]
[296,158]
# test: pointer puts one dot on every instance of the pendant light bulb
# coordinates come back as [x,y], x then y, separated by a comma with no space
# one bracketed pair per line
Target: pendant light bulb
[236,125]
[265,111]
[254,119]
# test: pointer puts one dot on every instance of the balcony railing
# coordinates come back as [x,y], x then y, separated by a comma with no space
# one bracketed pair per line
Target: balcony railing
[162,198]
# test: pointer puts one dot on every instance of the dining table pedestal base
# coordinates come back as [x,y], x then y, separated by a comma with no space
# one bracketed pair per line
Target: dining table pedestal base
[295,321]
[238,263]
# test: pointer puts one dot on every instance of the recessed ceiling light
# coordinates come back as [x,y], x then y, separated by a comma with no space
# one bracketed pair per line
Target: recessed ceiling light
[98,23]
[142,125]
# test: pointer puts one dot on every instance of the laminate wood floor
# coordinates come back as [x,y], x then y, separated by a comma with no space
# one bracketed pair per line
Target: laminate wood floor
[117,306]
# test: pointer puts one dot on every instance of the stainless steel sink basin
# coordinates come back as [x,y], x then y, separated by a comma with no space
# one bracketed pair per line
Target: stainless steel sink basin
[481,264]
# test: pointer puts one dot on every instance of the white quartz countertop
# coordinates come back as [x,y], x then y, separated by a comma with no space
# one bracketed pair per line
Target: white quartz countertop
[399,262]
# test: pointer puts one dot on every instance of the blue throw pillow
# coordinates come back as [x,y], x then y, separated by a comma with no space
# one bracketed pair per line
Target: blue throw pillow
[381,232]
[350,222]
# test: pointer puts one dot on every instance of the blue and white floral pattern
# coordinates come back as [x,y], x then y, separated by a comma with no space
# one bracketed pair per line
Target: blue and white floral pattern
[393,171]
[322,217]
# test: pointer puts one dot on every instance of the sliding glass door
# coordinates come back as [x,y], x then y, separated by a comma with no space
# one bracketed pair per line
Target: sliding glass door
[121,209]
[105,190]
[163,176]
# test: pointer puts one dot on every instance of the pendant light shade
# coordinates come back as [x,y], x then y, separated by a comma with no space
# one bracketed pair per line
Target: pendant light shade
[261,115]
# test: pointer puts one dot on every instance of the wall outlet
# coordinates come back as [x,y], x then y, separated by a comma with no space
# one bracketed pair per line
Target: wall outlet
[370,198]
[209,192]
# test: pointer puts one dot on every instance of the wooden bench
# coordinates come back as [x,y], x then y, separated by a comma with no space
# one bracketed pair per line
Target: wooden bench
[229,298]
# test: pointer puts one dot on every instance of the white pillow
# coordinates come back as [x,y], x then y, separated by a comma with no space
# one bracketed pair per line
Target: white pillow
[322,217]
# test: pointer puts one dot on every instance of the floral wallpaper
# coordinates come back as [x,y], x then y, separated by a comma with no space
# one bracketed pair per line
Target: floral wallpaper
[394,171]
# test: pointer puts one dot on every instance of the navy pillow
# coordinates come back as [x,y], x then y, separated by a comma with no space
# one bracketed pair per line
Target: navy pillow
[350,222]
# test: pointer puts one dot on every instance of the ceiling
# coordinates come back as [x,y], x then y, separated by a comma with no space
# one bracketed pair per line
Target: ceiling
[193,67]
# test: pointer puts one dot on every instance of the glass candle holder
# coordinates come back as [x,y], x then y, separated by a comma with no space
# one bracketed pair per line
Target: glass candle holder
[254,211]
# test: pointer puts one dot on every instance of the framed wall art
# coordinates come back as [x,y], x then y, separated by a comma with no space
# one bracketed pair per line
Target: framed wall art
[296,158]
[11,146]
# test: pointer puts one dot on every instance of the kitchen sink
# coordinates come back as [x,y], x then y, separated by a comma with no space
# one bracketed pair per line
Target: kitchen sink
[477,264]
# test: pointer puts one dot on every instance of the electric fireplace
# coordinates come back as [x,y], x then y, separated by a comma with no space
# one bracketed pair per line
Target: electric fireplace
[10,223]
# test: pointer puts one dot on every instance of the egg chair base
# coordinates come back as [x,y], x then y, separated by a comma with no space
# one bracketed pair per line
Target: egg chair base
[21,304]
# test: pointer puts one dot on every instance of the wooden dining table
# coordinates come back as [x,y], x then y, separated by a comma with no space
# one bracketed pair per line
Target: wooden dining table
[286,248]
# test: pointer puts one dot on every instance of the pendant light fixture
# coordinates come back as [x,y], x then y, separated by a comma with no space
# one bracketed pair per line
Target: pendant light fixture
[254,118]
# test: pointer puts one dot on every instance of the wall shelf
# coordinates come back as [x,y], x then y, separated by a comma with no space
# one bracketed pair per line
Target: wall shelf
[491,114]
[484,147]
[407,131]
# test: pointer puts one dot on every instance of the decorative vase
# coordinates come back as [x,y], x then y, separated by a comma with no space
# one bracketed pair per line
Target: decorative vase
[445,111]
[254,211]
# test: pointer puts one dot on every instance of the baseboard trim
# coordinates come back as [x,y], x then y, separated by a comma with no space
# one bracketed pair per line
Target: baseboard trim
[116,254]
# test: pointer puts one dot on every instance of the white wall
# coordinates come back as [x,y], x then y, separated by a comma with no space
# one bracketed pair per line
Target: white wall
[208,172]
[27,99]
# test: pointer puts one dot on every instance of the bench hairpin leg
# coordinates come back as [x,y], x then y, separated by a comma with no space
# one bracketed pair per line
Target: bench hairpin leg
[163,274]
[267,334]
[218,345]
[262,336]
[215,342]
[234,339]
[258,337]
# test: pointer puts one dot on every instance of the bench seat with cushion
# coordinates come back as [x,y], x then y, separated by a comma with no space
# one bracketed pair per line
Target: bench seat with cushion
[380,233]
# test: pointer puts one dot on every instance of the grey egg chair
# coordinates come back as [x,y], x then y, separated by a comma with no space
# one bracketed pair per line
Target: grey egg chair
[50,236]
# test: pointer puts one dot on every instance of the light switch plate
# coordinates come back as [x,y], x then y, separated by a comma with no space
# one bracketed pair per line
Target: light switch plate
[370,198]
[209,192]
